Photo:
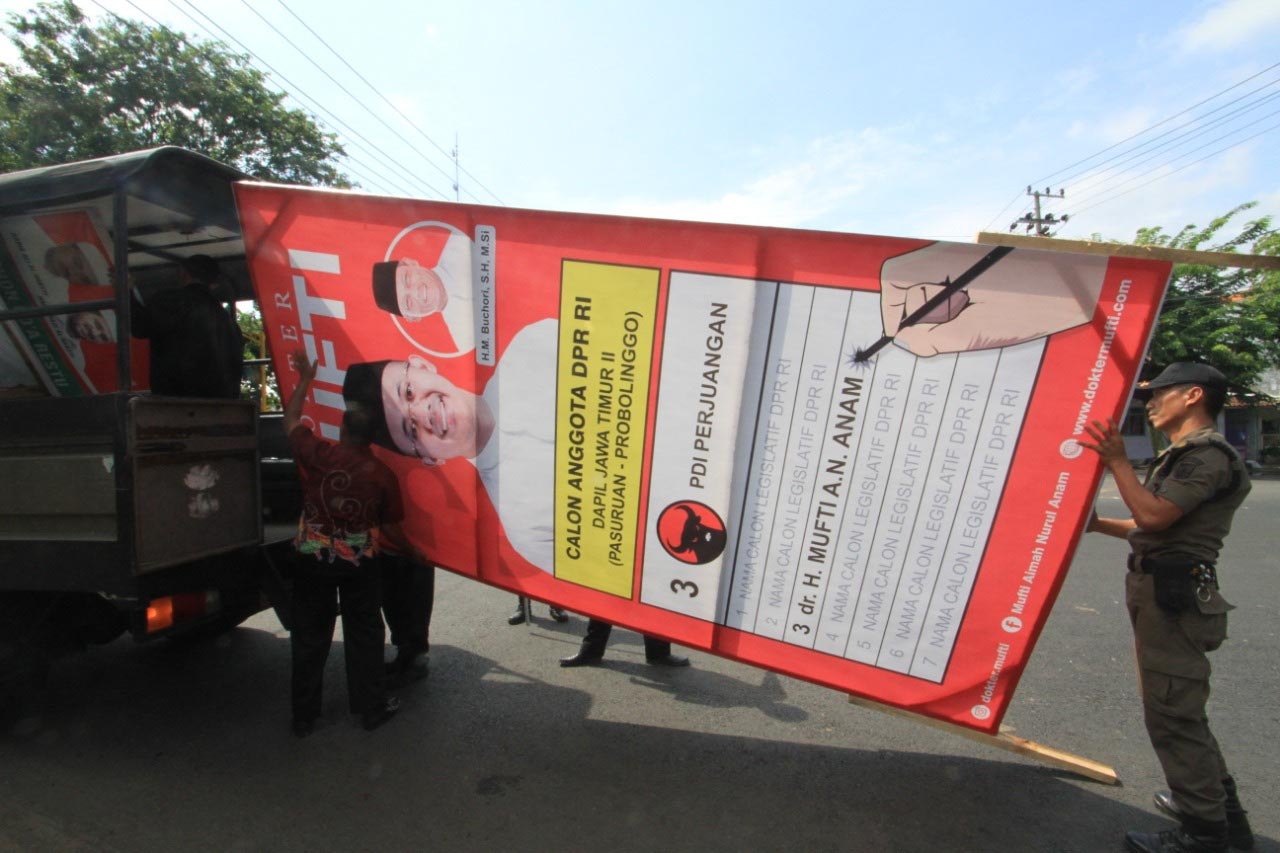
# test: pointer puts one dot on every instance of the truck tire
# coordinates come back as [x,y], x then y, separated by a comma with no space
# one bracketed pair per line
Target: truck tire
[24,674]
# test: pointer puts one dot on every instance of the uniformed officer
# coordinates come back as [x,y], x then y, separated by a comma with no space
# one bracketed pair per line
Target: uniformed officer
[1181,515]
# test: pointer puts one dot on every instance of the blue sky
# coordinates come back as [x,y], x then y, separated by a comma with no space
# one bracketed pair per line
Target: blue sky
[925,119]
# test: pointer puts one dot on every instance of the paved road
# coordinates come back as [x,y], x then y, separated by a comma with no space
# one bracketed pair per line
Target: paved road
[161,748]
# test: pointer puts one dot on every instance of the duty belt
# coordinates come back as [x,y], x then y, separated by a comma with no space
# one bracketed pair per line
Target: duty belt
[1198,568]
[1201,572]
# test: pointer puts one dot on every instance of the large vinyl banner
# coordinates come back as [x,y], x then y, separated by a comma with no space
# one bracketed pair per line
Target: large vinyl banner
[57,259]
[845,458]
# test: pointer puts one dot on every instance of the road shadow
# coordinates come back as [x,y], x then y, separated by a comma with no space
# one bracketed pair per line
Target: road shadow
[484,757]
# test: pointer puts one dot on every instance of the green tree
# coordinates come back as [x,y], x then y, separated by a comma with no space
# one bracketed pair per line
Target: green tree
[1227,317]
[259,382]
[83,90]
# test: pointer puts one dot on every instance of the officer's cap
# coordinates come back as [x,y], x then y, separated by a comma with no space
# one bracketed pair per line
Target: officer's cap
[1186,373]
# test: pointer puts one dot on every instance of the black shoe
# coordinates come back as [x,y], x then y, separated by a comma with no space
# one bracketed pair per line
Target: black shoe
[519,617]
[1176,841]
[403,659]
[558,614]
[379,714]
[302,728]
[1239,833]
[583,658]
[405,670]
[668,660]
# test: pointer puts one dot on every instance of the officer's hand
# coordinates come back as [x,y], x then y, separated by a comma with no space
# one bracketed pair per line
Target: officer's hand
[1107,442]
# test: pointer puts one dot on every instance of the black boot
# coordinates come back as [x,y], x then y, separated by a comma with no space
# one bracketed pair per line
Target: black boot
[668,659]
[1194,836]
[521,614]
[411,664]
[590,654]
[379,714]
[1239,833]
[558,614]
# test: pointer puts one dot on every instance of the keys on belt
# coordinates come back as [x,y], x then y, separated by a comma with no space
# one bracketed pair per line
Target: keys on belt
[1206,578]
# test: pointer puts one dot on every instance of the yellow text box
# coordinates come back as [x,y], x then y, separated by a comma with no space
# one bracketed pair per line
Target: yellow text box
[602,400]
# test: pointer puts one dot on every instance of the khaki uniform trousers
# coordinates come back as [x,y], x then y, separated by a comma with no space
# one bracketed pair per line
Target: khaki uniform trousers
[1173,670]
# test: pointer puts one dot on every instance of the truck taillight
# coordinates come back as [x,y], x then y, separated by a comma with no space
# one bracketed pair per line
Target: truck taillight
[163,613]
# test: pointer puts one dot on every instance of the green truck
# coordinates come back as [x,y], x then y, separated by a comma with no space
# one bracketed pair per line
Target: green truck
[122,511]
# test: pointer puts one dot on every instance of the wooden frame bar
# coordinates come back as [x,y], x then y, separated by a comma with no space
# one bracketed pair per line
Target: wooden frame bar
[1007,741]
[1129,250]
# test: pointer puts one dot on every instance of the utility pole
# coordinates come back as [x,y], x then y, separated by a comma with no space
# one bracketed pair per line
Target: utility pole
[1037,223]
[457,196]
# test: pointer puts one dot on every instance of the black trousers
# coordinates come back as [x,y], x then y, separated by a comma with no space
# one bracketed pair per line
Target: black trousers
[597,638]
[408,596]
[317,584]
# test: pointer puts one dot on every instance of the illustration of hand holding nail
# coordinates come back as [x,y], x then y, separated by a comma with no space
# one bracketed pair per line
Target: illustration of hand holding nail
[951,297]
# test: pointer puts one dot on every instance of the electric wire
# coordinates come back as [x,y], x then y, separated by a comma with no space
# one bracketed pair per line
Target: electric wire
[1105,192]
[1187,137]
[391,104]
[1102,187]
[347,142]
[1007,205]
[370,147]
[366,182]
[347,91]
[297,91]
[1196,122]
[1098,190]
[1160,123]
[1175,171]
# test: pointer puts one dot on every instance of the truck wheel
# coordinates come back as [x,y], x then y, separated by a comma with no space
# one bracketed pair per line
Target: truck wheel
[24,673]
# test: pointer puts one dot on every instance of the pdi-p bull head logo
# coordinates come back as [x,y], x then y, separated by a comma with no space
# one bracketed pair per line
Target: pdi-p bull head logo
[691,532]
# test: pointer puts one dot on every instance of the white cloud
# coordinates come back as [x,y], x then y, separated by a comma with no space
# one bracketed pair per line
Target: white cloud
[1193,196]
[898,181]
[1113,128]
[1269,202]
[408,105]
[836,172]
[1072,82]
[1232,23]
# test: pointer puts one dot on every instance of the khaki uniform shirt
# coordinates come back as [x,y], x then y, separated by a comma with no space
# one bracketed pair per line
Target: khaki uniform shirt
[1191,483]
[1197,481]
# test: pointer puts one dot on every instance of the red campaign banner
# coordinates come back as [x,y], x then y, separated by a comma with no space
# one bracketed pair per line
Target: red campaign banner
[846,458]
[52,259]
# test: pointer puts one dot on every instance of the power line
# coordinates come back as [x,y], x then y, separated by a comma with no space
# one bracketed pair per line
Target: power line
[296,90]
[1100,185]
[1157,124]
[1097,191]
[217,40]
[389,103]
[367,182]
[1137,150]
[1007,205]
[1179,169]
[1187,137]
[348,92]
